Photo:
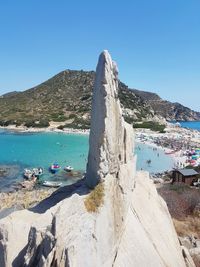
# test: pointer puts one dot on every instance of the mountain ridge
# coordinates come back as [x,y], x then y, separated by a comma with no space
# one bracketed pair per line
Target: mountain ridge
[67,97]
[154,99]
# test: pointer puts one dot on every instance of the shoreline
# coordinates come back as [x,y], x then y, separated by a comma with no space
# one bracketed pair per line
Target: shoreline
[173,131]
[180,139]
[54,128]
[22,199]
[50,129]
[176,159]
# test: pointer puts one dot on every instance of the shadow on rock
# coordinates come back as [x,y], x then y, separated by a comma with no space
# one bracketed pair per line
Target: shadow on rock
[79,188]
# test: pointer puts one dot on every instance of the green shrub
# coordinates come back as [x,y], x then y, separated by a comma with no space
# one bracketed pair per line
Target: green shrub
[85,97]
[61,127]
[4,123]
[128,119]
[29,123]
[71,116]
[154,126]
[78,123]
[84,109]
[41,124]
[18,123]
[58,117]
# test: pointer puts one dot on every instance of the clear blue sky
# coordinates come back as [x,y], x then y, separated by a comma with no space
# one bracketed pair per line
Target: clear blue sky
[155,43]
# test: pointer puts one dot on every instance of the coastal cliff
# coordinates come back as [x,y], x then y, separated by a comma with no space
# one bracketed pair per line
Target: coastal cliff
[132,226]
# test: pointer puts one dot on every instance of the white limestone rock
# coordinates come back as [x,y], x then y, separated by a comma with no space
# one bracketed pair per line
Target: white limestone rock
[149,238]
[108,147]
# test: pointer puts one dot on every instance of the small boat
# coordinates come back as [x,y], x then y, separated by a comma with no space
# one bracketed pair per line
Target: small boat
[68,168]
[54,168]
[51,184]
[28,173]
[35,172]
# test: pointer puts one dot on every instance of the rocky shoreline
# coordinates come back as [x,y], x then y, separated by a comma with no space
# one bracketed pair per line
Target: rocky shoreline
[22,199]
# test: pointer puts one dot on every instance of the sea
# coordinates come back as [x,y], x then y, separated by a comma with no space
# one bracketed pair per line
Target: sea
[190,124]
[29,150]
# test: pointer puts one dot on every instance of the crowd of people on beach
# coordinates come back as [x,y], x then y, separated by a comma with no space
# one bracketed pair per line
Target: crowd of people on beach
[182,144]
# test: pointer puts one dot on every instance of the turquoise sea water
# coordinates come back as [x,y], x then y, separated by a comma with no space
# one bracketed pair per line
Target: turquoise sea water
[28,150]
[43,149]
[159,160]
[190,124]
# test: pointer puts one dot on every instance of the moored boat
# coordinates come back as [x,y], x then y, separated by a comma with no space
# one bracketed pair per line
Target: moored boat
[68,168]
[54,168]
[28,173]
[37,172]
[51,184]
[33,173]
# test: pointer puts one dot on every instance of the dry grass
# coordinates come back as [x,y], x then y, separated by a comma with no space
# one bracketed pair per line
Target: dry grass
[95,199]
[190,226]
[23,198]
[181,200]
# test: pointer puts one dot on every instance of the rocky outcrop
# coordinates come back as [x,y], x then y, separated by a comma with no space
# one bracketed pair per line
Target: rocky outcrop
[110,141]
[192,243]
[168,110]
[149,224]
[133,226]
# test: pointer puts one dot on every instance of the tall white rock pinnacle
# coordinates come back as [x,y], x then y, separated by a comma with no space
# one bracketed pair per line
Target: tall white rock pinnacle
[108,138]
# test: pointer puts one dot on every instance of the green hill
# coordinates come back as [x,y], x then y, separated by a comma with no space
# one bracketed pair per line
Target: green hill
[66,97]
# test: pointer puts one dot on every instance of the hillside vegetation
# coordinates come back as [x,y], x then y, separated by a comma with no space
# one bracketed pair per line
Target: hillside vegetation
[169,111]
[66,98]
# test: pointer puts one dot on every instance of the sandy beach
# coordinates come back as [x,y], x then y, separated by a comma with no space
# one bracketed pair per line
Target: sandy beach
[178,158]
[52,128]
[174,142]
